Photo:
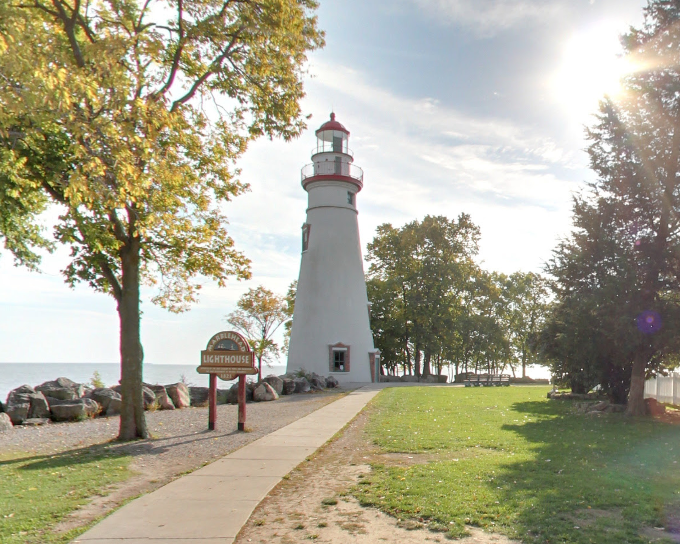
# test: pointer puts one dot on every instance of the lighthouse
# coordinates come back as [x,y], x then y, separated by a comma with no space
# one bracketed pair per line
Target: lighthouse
[331,333]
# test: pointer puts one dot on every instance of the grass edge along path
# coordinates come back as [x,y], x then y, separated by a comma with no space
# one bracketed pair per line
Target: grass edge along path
[38,491]
[510,461]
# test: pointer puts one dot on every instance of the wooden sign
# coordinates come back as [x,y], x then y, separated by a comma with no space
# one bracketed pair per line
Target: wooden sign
[227,356]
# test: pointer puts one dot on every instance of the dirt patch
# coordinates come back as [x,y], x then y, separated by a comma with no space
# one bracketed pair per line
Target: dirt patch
[312,503]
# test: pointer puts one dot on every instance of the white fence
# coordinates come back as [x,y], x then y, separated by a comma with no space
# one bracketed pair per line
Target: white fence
[664,388]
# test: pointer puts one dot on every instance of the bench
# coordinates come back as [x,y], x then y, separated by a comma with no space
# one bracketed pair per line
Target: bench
[471,379]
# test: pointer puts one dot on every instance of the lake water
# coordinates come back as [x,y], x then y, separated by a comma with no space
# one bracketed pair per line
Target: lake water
[13,375]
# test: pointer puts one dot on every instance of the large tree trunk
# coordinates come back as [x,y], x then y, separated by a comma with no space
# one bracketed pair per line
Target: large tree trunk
[636,396]
[132,420]
[259,369]
[426,365]
[417,362]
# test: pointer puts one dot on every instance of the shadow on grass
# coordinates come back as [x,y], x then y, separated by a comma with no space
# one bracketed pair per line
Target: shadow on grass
[591,478]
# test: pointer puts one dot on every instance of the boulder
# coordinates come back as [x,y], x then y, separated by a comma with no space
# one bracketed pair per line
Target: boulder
[18,412]
[149,398]
[275,382]
[599,406]
[302,385]
[20,395]
[199,396]
[117,388]
[655,408]
[39,407]
[61,388]
[317,382]
[162,398]
[442,379]
[179,394]
[105,396]
[232,393]
[288,386]
[264,392]
[75,410]
[331,382]
[5,423]
[222,395]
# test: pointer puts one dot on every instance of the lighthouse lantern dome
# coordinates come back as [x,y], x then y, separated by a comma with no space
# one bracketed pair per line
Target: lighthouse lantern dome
[332,137]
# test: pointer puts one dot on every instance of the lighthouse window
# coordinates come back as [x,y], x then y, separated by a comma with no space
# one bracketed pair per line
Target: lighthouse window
[305,236]
[339,361]
[350,198]
[339,358]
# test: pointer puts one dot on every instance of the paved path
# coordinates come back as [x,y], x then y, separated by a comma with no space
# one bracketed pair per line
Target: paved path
[210,505]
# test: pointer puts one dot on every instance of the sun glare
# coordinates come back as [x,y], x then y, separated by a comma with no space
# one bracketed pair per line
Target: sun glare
[592,66]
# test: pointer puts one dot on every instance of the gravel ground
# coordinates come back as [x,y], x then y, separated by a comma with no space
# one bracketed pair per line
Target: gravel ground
[181,443]
[179,436]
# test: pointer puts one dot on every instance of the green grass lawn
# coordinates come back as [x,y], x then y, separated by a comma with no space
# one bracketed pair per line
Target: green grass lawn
[510,461]
[36,492]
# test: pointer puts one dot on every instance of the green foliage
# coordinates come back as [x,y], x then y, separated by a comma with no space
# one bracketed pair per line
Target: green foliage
[512,462]
[289,309]
[130,115]
[38,491]
[432,303]
[415,283]
[621,261]
[97,381]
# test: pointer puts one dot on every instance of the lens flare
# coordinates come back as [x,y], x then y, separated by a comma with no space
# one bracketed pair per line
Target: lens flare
[649,322]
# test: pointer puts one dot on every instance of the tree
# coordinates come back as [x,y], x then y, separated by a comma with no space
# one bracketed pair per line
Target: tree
[418,274]
[21,201]
[259,315]
[527,300]
[149,104]
[624,255]
[289,308]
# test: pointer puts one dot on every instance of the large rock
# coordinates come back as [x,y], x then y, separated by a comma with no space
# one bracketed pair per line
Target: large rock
[275,382]
[61,388]
[654,408]
[149,398]
[5,423]
[163,400]
[19,403]
[20,395]
[232,394]
[317,382]
[179,394]
[39,407]
[302,385]
[108,399]
[75,410]
[288,386]
[264,392]
[331,382]
[222,395]
[199,396]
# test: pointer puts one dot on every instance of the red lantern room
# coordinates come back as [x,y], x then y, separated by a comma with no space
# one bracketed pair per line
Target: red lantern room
[332,157]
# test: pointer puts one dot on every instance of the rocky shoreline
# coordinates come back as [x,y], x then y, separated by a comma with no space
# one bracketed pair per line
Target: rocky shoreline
[65,400]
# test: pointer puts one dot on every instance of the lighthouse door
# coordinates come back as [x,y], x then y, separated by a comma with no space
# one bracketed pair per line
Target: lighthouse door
[338,165]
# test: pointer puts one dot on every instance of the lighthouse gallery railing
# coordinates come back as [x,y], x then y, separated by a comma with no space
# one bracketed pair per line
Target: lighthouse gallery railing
[330,168]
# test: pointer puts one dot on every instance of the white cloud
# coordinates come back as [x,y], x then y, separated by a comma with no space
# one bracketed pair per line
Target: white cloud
[487,17]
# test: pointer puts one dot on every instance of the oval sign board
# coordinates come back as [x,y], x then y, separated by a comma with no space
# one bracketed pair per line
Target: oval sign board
[227,355]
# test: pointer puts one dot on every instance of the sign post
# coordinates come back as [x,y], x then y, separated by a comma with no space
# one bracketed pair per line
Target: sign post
[227,356]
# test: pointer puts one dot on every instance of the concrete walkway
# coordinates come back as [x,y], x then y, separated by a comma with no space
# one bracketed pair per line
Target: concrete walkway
[210,505]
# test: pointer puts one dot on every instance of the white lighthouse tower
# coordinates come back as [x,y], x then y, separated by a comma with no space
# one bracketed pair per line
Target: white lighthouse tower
[331,333]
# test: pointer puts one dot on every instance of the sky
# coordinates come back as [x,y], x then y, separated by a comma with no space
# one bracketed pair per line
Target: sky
[454,106]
